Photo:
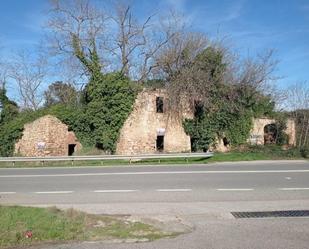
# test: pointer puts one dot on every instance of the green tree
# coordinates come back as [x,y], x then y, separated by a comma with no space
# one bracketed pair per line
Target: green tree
[8,108]
[60,93]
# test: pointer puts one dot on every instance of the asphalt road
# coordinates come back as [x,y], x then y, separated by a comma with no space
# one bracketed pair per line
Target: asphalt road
[203,196]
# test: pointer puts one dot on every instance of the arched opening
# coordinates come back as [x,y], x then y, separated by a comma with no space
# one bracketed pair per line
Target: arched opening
[226,142]
[270,134]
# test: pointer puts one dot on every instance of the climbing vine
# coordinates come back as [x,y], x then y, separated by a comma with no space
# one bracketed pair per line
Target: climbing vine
[226,110]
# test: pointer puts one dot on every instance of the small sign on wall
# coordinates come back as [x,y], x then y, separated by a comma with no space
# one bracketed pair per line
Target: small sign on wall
[254,136]
[41,145]
[160,132]
[255,139]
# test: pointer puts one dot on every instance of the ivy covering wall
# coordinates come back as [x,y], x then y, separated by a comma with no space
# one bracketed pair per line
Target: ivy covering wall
[226,109]
[96,121]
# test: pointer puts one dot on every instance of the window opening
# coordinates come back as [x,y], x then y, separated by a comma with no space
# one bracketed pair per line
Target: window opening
[159,104]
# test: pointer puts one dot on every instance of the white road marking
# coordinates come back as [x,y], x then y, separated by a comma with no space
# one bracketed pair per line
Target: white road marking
[288,178]
[288,189]
[54,192]
[235,189]
[7,193]
[115,191]
[160,173]
[174,190]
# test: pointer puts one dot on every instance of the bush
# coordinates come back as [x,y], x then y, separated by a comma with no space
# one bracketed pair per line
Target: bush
[11,131]
[304,152]
[273,151]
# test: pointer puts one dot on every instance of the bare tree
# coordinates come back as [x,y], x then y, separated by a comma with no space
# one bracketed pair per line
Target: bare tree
[76,21]
[194,66]
[256,72]
[28,74]
[129,36]
[298,103]
[121,41]
[136,43]
[180,66]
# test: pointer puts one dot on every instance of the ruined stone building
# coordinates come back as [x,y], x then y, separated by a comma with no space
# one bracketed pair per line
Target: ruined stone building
[150,128]
[264,131]
[47,136]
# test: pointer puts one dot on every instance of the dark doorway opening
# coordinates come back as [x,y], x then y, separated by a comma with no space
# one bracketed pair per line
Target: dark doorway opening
[225,142]
[270,134]
[160,143]
[71,149]
[159,104]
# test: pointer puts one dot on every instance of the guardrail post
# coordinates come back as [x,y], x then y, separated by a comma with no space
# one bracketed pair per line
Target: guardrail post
[72,162]
[13,163]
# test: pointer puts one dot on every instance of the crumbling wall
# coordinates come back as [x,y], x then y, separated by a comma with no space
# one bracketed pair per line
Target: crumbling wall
[46,136]
[257,132]
[256,136]
[140,130]
[219,146]
[291,131]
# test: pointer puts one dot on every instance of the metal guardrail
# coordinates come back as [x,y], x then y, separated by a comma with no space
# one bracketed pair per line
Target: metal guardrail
[130,158]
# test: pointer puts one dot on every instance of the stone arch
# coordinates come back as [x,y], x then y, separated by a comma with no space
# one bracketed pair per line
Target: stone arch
[270,133]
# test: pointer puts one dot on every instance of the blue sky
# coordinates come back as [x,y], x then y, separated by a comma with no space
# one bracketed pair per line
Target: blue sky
[250,25]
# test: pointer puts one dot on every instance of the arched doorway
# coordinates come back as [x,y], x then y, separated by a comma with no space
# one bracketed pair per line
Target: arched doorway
[270,134]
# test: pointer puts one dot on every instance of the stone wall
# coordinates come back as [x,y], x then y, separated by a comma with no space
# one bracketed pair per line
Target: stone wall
[46,136]
[219,146]
[291,131]
[144,124]
[257,132]
[256,136]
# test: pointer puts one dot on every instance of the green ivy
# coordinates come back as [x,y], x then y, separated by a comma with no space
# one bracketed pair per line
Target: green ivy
[11,131]
[237,132]
[110,100]
[229,109]
[8,108]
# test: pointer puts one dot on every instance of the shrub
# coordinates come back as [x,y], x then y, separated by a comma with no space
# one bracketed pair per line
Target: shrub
[304,152]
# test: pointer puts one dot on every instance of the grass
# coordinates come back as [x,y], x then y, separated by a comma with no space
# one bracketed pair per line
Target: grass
[248,153]
[251,153]
[54,225]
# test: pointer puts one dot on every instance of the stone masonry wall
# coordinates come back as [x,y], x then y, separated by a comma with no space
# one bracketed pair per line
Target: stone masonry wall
[140,130]
[257,132]
[46,136]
